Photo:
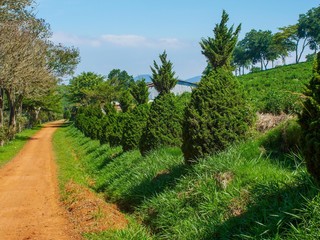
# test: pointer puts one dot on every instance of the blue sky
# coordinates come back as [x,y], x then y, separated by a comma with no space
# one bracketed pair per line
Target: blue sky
[130,34]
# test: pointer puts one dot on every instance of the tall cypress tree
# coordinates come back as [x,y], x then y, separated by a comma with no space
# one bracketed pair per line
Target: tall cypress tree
[310,122]
[163,126]
[218,113]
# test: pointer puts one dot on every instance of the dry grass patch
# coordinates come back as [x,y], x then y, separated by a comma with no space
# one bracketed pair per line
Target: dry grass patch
[89,212]
[268,121]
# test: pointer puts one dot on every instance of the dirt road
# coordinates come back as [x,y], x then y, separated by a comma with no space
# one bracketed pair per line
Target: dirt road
[29,196]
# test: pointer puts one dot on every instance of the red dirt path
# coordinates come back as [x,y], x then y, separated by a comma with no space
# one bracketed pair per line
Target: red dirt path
[29,196]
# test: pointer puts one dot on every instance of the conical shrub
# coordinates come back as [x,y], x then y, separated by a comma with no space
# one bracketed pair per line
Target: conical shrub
[134,125]
[217,116]
[164,124]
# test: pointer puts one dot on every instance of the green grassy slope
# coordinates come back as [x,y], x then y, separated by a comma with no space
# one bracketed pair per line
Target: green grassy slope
[278,89]
[251,191]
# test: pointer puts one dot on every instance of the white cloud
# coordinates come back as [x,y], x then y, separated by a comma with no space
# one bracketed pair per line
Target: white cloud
[125,40]
[129,41]
[74,40]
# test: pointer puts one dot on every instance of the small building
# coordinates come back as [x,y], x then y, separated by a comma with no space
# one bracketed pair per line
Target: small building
[181,87]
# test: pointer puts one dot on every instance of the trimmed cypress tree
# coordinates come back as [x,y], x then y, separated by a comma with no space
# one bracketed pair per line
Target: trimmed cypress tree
[163,76]
[218,113]
[163,126]
[135,124]
[310,123]
[139,91]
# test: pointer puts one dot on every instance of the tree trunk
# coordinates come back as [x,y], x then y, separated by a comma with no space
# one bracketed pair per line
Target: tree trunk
[1,107]
[19,113]
[12,112]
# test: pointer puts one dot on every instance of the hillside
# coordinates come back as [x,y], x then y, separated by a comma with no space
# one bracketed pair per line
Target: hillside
[278,89]
[255,189]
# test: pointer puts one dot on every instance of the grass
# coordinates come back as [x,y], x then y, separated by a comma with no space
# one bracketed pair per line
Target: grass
[79,160]
[279,89]
[253,190]
[10,149]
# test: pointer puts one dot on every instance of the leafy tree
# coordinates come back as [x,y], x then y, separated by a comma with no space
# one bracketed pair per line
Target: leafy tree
[120,79]
[240,58]
[28,72]
[310,123]
[283,45]
[62,60]
[139,91]
[293,34]
[163,76]
[218,113]
[218,50]
[80,86]
[309,27]
[258,46]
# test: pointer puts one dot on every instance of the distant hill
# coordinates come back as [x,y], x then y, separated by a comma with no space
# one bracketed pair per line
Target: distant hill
[147,77]
[194,79]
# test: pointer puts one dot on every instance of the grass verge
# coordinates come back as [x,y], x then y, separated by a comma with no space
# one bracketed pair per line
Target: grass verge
[70,149]
[10,149]
[258,189]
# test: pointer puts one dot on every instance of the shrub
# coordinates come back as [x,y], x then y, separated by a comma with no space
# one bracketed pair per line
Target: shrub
[216,116]
[135,123]
[310,123]
[164,124]
[117,122]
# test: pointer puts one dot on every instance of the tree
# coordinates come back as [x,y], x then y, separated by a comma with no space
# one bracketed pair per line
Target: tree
[218,50]
[310,123]
[218,113]
[80,87]
[309,27]
[120,79]
[125,100]
[26,74]
[163,76]
[258,46]
[24,67]
[163,126]
[240,58]
[283,44]
[139,91]
[62,60]
[293,34]
[134,126]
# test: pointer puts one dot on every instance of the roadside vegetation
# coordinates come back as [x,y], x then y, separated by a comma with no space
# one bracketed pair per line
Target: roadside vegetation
[228,181]
[11,149]
[258,189]
[192,166]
